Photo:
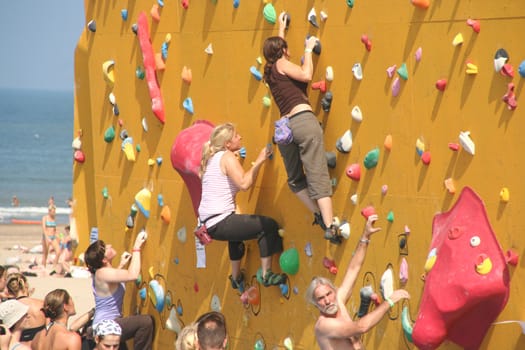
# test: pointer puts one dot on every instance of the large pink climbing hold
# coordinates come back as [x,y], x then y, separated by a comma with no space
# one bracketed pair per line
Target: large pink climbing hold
[186,157]
[466,257]
[148,56]
[354,171]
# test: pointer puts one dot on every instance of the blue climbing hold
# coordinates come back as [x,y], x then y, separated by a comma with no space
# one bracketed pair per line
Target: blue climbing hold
[124,14]
[256,73]
[164,51]
[188,105]
[236,3]
[242,152]
[521,69]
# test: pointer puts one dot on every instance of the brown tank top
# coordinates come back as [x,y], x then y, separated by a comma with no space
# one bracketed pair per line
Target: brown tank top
[287,92]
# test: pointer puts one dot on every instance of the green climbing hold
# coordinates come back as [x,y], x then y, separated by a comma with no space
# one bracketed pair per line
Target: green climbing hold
[350,3]
[138,148]
[289,261]
[390,216]
[371,158]
[109,135]
[139,72]
[269,13]
[403,71]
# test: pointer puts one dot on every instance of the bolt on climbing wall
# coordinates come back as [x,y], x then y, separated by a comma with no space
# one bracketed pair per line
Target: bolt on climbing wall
[419,104]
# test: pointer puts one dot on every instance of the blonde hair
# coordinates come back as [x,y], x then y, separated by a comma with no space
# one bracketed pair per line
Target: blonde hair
[17,284]
[217,142]
[187,339]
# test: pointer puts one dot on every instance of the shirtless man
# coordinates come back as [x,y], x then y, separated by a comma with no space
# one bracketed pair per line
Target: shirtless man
[335,328]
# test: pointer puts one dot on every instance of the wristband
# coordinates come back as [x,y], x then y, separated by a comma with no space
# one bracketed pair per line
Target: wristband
[365,241]
[136,250]
[307,50]
[390,302]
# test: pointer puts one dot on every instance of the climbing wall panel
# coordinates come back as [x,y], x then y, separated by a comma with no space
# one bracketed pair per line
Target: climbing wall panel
[223,89]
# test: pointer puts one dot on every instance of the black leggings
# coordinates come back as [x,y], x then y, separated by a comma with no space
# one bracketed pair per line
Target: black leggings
[237,228]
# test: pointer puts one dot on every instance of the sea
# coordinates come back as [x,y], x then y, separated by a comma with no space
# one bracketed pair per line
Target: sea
[36,156]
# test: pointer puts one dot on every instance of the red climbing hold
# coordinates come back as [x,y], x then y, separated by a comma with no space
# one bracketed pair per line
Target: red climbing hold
[366,41]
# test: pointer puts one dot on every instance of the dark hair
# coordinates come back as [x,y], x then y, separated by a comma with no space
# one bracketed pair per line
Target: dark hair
[211,330]
[2,270]
[94,255]
[54,303]
[273,49]
[16,284]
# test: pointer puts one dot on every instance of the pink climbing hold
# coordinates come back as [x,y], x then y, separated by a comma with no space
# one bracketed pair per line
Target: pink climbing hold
[396,87]
[426,157]
[441,84]
[354,171]
[510,98]
[368,211]
[511,257]
[330,265]
[186,155]
[366,41]
[185,4]
[453,146]
[507,70]
[474,24]
[157,103]
[390,71]
[463,312]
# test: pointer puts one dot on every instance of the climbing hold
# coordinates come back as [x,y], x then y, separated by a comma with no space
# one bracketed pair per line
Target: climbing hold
[350,3]
[426,157]
[267,101]
[319,85]
[326,101]
[135,28]
[181,234]
[116,111]
[511,257]
[384,190]
[143,293]
[344,229]
[474,24]
[112,98]
[458,40]
[215,303]
[510,98]
[105,192]
[330,159]
[154,12]
[420,147]
[500,58]
[259,345]
[431,260]
[107,69]
[284,289]
[186,75]
[209,49]
[329,75]
[308,249]
[92,26]
[160,200]
[453,146]
[371,158]
[236,3]
[390,216]
[358,71]
[151,162]
[504,195]
[77,143]
[357,115]
[396,87]
[418,54]
[366,298]
[269,13]
[471,68]
[406,324]
[123,134]
[403,71]
[139,73]
[79,156]
[242,152]
[165,214]
[449,185]
[403,271]
[354,171]
[423,4]
[289,261]
[172,322]
[441,84]
[466,142]
[344,143]
[507,70]
[317,48]
[159,62]
[366,41]
[312,18]
[388,142]
[391,70]
[330,265]
[251,296]
[386,286]
[256,73]
[161,3]
[483,264]
[124,14]
[185,4]
[164,51]
[354,198]
[144,123]
[127,147]
[188,105]
[156,294]
[367,211]
[143,201]
[521,69]
[323,15]
[130,221]
[288,345]
[109,134]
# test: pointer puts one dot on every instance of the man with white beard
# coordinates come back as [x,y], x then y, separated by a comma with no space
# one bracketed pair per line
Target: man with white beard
[335,328]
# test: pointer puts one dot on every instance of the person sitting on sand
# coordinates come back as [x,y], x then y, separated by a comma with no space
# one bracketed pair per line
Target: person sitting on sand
[19,288]
[14,317]
[58,307]
[49,237]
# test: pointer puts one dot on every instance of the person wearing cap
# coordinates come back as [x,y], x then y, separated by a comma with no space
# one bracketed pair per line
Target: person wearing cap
[109,288]
[50,237]
[13,315]
[58,307]
[107,335]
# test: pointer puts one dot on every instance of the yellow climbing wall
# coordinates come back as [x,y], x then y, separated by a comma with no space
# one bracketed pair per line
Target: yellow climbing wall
[223,89]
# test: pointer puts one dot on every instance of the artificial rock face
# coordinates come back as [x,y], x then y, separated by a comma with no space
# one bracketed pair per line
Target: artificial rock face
[467,281]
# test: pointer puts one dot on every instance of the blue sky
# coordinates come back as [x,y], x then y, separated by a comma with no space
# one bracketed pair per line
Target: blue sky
[37,43]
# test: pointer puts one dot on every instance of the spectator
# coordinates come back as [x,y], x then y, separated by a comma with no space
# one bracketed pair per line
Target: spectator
[107,335]
[13,315]
[211,331]
[49,237]
[187,338]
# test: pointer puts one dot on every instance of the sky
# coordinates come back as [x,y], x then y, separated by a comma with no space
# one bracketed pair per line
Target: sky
[37,43]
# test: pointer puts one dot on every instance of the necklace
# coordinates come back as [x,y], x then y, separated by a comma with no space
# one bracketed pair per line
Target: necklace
[52,323]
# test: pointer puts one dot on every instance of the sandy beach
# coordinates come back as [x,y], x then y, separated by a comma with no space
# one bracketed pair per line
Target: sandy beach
[12,237]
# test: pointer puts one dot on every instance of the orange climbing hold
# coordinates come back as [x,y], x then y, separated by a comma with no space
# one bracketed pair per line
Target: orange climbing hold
[449,185]
[319,85]
[388,142]
[251,296]
[423,4]
[186,75]
[159,62]
[366,41]
[368,211]
[155,14]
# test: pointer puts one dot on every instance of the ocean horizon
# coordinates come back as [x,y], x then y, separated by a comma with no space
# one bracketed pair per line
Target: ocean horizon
[36,157]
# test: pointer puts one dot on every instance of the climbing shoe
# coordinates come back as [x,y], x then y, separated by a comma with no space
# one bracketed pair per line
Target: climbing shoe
[270,279]
[318,220]
[238,283]
[333,235]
